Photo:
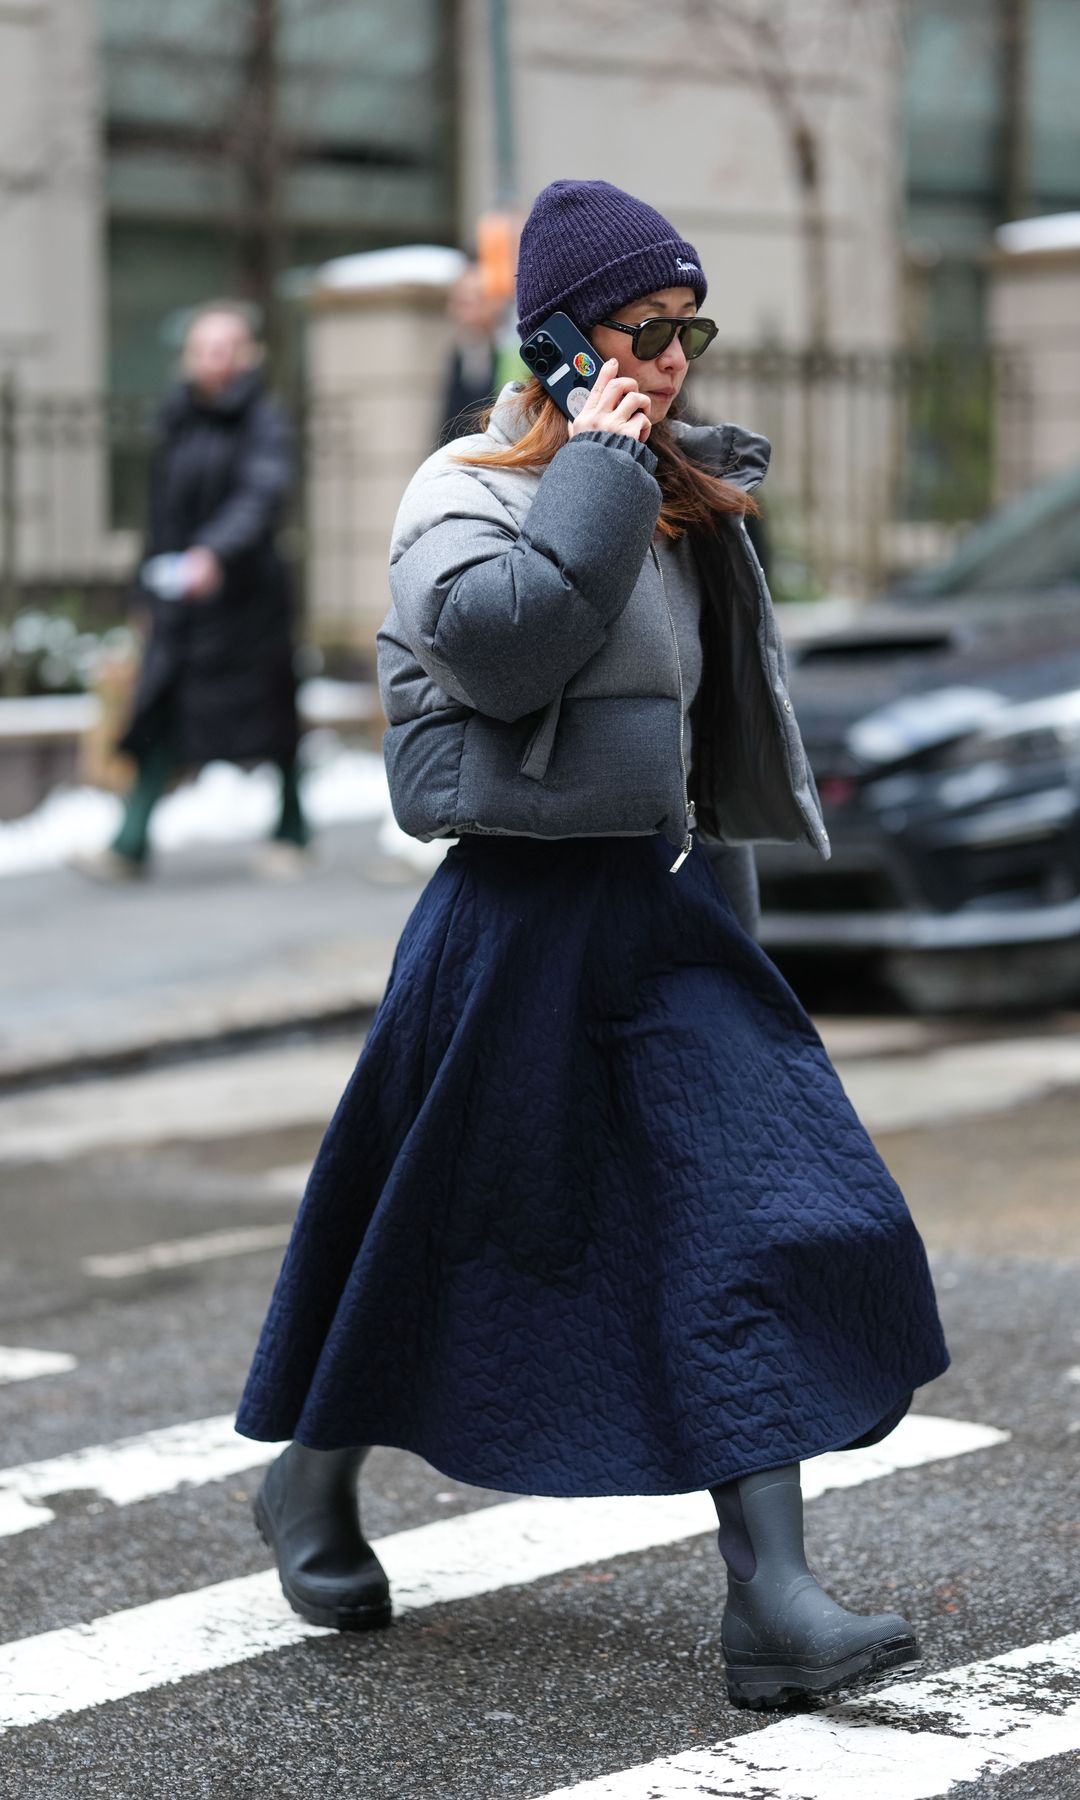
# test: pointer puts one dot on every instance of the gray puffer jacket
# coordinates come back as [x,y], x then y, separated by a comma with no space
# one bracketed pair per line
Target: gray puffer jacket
[528,665]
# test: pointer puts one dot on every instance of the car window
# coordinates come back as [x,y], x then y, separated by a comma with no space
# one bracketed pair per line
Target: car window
[1030,545]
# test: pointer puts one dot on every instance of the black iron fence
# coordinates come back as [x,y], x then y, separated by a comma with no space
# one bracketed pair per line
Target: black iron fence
[74,483]
[879,458]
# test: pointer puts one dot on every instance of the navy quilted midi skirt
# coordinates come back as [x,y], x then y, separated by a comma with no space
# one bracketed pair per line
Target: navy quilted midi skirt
[594,1215]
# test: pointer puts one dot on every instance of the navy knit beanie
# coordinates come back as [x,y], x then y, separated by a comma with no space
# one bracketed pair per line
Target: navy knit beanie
[588,248]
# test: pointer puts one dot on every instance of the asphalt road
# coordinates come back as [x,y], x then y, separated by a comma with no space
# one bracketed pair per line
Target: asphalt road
[591,1663]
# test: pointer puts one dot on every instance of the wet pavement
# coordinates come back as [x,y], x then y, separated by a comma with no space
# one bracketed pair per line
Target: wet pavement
[604,1663]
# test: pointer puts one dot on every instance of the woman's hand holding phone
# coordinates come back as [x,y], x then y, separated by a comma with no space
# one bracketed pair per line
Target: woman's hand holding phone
[615,403]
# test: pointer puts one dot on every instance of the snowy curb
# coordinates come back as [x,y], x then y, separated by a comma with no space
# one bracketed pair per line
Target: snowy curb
[210,1026]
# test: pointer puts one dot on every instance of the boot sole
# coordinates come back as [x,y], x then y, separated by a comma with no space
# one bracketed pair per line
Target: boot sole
[336,1618]
[765,1686]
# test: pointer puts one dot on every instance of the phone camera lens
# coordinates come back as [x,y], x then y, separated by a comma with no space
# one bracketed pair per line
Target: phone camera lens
[528,351]
[542,365]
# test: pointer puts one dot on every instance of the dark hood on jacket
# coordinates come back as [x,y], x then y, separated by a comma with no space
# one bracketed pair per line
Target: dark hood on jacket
[184,399]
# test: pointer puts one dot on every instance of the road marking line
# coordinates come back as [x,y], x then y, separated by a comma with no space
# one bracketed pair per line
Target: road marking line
[203,1450]
[180,1252]
[288,1183]
[26,1365]
[132,1469]
[475,1553]
[913,1741]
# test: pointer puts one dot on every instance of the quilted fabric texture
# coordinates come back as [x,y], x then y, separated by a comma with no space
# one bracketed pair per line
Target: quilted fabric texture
[594,1215]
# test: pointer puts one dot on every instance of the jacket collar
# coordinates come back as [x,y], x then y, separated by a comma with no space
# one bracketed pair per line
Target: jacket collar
[185,401]
[730,451]
[738,455]
[508,422]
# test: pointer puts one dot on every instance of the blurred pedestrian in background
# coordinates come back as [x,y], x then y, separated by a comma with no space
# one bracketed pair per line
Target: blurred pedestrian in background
[217,680]
[486,352]
[476,315]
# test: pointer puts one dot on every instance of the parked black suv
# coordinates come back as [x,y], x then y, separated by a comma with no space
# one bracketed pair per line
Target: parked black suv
[943,726]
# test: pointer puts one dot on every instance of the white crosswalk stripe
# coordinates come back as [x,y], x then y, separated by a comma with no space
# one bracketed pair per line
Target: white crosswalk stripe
[181,1253]
[477,1553]
[135,1468]
[916,1740]
[26,1365]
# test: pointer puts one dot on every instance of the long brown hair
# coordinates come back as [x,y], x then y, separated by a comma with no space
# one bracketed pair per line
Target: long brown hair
[691,496]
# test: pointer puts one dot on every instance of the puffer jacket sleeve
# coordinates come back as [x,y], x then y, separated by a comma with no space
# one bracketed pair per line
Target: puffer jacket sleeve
[264,477]
[502,619]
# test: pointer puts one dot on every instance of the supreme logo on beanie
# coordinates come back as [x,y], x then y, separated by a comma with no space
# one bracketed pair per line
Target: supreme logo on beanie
[588,248]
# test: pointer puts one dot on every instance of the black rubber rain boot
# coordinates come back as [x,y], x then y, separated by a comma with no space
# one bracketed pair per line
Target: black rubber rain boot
[784,1640]
[308,1512]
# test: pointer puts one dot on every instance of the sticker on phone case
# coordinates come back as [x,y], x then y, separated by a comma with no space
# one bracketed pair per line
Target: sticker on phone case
[575,400]
[558,374]
[584,364]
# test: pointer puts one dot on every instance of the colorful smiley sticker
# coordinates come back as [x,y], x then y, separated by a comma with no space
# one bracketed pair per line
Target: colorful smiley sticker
[584,364]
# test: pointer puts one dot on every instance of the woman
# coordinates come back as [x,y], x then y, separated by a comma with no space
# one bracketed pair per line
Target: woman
[217,677]
[594,1215]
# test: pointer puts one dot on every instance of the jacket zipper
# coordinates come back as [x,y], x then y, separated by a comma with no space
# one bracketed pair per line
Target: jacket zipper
[688,841]
[691,809]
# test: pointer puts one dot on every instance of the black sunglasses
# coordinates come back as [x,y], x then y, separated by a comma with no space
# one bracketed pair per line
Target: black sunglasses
[652,336]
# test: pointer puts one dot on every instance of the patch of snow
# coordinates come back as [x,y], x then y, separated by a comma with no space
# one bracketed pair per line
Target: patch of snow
[68,821]
[323,701]
[425,265]
[223,804]
[49,715]
[350,784]
[425,858]
[1054,231]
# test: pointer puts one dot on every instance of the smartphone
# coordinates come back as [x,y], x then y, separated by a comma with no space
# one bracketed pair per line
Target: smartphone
[564,361]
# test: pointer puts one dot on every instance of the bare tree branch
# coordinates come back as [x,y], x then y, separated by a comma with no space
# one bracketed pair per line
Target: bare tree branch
[782,50]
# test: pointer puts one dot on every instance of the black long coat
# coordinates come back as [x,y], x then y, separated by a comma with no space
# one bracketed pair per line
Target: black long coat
[217,676]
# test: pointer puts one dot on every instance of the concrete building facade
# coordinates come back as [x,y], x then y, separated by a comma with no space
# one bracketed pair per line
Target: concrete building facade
[52,287]
[1034,311]
[131,127]
[796,143]
[703,115]
[116,207]
[711,124]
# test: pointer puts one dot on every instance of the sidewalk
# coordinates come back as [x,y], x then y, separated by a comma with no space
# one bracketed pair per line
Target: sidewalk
[96,976]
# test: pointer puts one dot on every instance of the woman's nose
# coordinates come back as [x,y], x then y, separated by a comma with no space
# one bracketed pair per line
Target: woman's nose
[672,360]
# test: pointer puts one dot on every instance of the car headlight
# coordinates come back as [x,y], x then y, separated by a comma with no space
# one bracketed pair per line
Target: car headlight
[1039,731]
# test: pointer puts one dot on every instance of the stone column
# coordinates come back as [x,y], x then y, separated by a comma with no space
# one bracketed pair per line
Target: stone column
[378,346]
[1035,325]
[51,291]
